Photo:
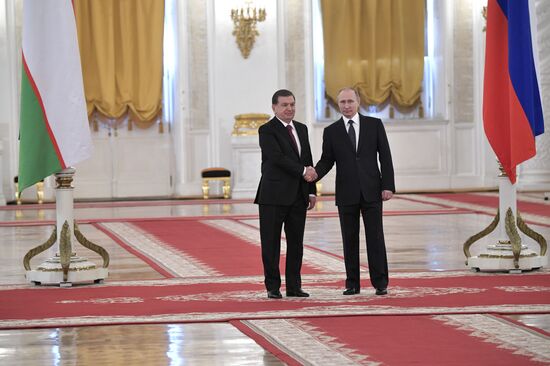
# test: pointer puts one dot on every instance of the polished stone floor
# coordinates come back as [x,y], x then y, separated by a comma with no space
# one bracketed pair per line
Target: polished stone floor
[421,234]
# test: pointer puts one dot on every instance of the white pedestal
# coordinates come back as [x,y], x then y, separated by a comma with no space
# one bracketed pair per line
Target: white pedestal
[499,257]
[247,162]
[81,270]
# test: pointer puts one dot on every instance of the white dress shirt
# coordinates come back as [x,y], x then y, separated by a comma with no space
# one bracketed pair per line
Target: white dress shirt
[356,127]
[294,133]
[297,143]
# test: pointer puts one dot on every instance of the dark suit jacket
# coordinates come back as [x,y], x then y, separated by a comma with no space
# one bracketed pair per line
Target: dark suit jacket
[357,172]
[282,168]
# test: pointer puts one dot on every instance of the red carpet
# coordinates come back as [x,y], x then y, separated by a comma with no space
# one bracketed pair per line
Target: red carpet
[233,298]
[223,252]
[400,340]
[492,201]
[199,248]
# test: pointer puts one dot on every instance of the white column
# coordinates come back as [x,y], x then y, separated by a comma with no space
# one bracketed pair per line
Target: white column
[2,197]
[64,210]
[507,199]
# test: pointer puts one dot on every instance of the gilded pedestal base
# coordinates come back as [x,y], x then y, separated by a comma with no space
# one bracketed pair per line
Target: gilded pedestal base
[81,270]
[500,257]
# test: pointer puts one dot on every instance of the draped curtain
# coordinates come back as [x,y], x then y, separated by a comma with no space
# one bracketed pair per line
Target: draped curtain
[121,52]
[376,46]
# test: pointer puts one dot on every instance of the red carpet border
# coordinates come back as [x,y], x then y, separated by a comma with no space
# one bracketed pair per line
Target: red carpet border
[532,212]
[227,298]
[541,208]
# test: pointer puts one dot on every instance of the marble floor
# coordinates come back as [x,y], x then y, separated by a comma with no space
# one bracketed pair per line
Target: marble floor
[421,234]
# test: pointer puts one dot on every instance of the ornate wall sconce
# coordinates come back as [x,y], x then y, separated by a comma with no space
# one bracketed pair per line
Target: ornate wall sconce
[245,27]
[484,14]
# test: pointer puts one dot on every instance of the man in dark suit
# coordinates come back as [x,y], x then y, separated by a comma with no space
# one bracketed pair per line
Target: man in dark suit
[283,194]
[361,186]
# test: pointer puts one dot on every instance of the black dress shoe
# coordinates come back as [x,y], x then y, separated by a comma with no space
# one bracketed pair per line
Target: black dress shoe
[381,291]
[296,293]
[352,291]
[275,294]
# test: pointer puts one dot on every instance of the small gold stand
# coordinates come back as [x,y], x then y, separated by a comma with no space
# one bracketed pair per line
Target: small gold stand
[216,174]
[17,194]
[39,191]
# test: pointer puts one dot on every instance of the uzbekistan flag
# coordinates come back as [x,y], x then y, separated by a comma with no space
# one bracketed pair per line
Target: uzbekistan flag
[512,110]
[54,132]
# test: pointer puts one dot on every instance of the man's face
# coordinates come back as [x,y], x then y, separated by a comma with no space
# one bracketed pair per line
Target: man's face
[348,103]
[285,108]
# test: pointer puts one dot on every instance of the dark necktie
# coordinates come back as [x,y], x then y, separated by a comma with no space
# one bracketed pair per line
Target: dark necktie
[351,133]
[294,144]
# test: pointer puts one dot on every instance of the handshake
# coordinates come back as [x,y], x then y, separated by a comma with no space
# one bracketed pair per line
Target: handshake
[310,174]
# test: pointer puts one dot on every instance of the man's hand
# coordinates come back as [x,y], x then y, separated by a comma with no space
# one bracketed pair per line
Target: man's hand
[312,200]
[386,195]
[310,174]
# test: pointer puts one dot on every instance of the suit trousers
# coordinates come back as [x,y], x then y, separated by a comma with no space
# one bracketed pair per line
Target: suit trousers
[374,234]
[272,219]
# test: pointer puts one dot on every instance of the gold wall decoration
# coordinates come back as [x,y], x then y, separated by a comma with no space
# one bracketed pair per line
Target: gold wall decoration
[484,14]
[245,31]
[248,124]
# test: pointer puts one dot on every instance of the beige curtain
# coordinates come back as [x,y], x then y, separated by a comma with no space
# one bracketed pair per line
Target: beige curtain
[376,46]
[121,51]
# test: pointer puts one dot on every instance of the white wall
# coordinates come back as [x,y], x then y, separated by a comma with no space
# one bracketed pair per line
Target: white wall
[214,83]
[9,66]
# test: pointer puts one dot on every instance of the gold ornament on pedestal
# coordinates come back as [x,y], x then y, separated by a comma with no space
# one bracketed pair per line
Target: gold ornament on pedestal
[247,124]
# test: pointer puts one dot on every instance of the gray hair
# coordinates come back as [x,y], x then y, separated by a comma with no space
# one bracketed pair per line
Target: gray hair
[350,88]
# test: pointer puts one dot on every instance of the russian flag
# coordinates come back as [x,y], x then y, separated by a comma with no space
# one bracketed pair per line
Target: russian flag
[512,110]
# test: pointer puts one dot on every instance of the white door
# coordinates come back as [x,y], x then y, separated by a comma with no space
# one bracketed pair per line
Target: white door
[125,164]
